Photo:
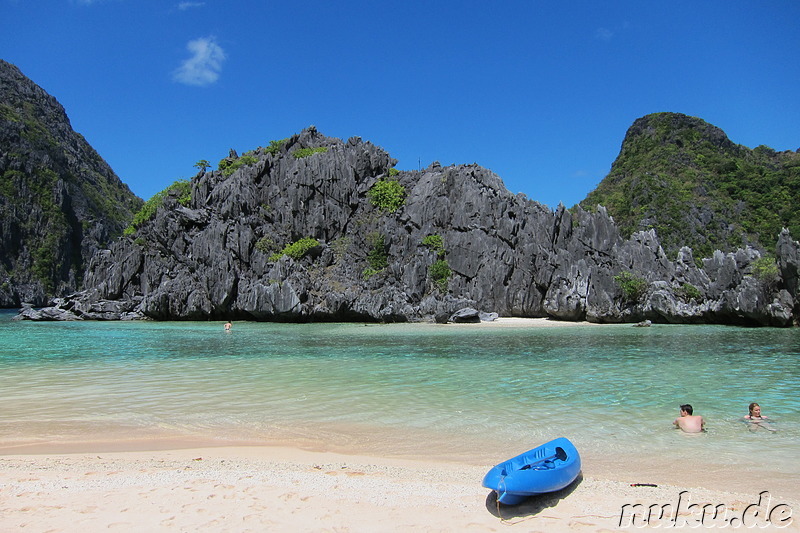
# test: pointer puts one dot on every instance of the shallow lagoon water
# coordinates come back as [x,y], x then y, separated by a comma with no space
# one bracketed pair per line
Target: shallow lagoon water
[469,393]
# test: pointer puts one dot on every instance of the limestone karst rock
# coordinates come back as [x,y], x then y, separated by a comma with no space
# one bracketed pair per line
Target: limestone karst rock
[220,254]
[317,228]
[59,201]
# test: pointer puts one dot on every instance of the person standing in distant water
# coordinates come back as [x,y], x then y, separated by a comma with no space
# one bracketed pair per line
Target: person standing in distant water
[228,325]
[689,422]
[756,419]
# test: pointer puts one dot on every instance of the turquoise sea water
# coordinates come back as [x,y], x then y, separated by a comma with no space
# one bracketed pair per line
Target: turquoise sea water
[471,393]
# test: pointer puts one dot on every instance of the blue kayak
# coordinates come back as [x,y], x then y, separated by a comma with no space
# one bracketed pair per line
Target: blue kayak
[546,468]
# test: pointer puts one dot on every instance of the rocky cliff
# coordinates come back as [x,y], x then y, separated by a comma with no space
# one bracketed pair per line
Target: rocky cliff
[316,228]
[59,201]
[687,180]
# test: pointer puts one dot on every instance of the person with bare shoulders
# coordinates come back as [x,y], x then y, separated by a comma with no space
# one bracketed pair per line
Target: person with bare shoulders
[228,325]
[689,422]
[756,419]
[755,412]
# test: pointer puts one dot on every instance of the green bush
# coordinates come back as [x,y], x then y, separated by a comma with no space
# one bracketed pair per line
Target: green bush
[183,188]
[275,146]
[688,292]
[46,257]
[265,245]
[633,287]
[306,152]
[147,212]
[8,113]
[766,270]
[377,257]
[439,273]
[228,167]
[296,250]
[369,272]
[435,243]
[393,172]
[387,195]
[7,183]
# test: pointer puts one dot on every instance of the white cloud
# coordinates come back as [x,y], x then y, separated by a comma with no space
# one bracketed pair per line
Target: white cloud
[204,66]
[183,6]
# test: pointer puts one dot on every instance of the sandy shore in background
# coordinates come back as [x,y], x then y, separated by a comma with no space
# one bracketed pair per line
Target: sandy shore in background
[515,322]
[264,488]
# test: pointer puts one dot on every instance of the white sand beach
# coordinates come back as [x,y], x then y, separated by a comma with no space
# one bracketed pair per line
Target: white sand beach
[264,488]
[517,322]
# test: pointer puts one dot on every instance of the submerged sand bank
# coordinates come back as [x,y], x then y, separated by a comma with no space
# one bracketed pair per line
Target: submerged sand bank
[279,488]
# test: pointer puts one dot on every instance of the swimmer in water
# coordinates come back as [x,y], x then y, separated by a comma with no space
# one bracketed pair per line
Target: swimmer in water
[688,422]
[756,419]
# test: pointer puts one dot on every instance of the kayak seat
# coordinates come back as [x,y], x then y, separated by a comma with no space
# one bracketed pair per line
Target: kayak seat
[560,453]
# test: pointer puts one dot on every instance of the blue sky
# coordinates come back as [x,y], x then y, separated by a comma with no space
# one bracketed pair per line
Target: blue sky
[541,93]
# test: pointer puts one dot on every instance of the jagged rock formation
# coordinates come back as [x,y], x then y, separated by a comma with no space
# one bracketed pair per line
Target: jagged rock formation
[459,240]
[684,178]
[59,201]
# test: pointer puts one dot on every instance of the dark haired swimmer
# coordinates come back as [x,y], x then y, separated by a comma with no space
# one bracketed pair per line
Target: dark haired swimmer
[755,412]
[688,422]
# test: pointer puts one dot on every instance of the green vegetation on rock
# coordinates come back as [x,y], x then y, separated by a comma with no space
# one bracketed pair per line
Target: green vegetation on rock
[275,146]
[265,245]
[8,182]
[59,200]
[308,152]
[47,251]
[435,243]
[633,287]
[46,257]
[688,292]
[765,269]
[296,250]
[377,257]
[387,195]
[440,273]
[687,180]
[228,166]
[8,113]
[181,188]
